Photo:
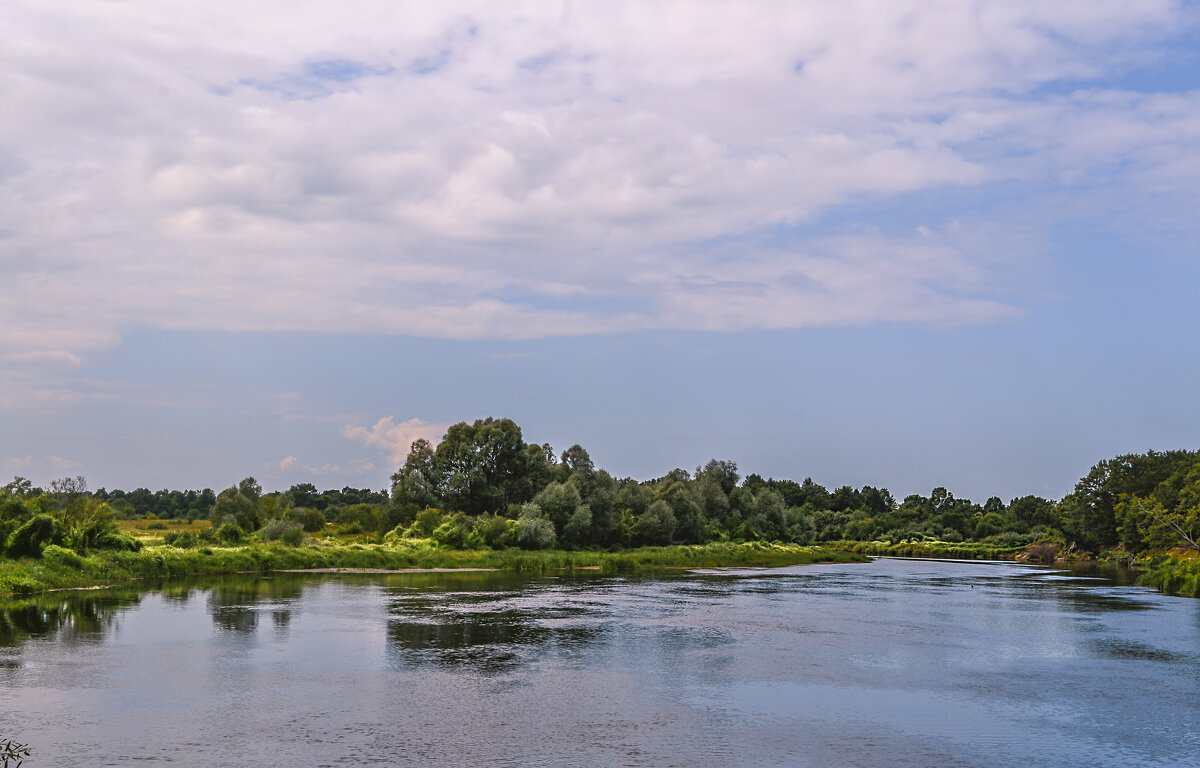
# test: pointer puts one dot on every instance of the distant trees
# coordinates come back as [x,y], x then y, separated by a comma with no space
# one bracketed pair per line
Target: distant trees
[483,485]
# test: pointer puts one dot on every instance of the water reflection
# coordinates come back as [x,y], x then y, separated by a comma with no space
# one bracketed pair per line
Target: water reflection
[896,662]
[489,631]
[71,617]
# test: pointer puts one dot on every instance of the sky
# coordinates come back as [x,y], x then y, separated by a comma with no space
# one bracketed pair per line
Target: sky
[902,244]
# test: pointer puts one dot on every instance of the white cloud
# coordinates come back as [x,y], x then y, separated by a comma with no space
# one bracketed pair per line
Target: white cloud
[506,171]
[394,439]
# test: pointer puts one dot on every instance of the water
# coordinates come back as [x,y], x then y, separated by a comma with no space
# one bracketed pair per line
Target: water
[894,663]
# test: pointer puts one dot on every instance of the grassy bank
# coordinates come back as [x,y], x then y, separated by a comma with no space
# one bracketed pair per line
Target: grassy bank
[63,569]
[968,550]
[1172,574]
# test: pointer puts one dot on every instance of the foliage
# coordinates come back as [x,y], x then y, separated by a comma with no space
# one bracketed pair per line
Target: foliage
[62,556]
[312,520]
[534,529]
[230,533]
[286,531]
[1170,516]
[28,540]
[180,539]
[13,754]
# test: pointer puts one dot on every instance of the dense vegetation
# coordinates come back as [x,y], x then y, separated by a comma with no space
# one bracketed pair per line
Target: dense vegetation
[483,488]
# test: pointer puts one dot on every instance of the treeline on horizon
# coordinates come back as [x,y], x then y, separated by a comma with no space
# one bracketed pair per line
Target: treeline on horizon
[484,486]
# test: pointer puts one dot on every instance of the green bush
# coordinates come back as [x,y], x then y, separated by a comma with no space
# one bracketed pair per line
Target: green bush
[495,531]
[230,533]
[28,540]
[157,525]
[117,541]
[56,555]
[181,539]
[312,520]
[283,530]
[535,533]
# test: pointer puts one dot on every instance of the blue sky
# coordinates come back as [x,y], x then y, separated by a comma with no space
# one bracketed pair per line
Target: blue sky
[899,244]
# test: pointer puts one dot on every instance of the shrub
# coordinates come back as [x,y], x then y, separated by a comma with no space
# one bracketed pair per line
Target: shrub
[293,537]
[56,555]
[28,540]
[494,531]
[230,533]
[117,541]
[312,520]
[157,525]
[207,535]
[535,532]
[457,533]
[283,530]
[181,539]
[427,520]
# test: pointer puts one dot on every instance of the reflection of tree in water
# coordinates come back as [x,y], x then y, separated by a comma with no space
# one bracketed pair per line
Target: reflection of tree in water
[72,617]
[482,632]
[234,601]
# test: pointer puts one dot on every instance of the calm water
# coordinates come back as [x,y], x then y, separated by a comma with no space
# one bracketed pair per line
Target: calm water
[892,663]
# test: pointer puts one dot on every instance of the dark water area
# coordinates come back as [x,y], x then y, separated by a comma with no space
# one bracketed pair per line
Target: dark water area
[891,663]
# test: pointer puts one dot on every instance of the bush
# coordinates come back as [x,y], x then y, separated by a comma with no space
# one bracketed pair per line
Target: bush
[293,537]
[312,520]
[28,540]
[230,533]
[56,555]
[427,520]
[181,539]
[157,525]
[117,541]
[207,535]
[283,530]
[494,531]
[457,533]
[535,533]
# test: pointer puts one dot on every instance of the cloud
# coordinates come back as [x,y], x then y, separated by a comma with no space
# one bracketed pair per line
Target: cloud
[31,463]
[510,171]
[394,439]
[286,464]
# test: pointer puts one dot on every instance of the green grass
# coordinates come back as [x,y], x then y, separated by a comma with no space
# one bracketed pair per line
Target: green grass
[1172,574]
[29,576]
[932,548]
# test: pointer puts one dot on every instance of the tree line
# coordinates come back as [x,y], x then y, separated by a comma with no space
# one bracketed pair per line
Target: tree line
[482,485]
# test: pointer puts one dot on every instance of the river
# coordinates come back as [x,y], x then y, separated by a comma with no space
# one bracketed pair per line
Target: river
[890,663]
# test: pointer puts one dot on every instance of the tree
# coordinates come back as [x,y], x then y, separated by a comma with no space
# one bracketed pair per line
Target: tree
[20,487]
[414,485]
[481,467]
[1089,512]
[241,504]
[534,531]
[558,502]
[723,473]
[656,525]
[1175,524]
[1162,528]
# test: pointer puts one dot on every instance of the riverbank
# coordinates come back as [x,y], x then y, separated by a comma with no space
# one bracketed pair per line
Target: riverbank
[62,569]
[1171,574]
[938,550]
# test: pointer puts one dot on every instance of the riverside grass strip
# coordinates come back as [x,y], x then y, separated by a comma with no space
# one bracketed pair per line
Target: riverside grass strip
[29,575]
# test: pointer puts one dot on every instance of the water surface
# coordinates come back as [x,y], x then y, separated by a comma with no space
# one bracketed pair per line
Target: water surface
[895,662]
